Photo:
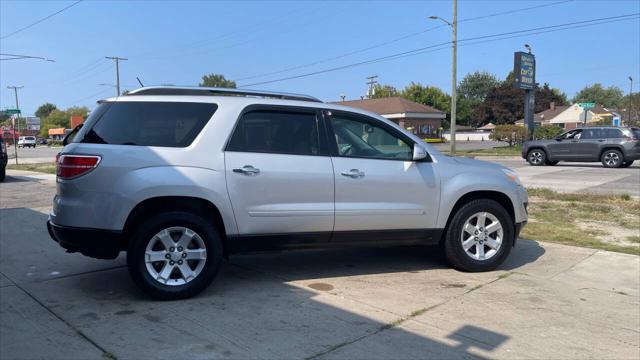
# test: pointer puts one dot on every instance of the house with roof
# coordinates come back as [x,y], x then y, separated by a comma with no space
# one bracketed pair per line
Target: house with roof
[571,116]
[422,120]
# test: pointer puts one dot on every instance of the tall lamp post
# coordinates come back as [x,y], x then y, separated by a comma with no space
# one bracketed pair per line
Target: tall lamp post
[454,63]
[630,101]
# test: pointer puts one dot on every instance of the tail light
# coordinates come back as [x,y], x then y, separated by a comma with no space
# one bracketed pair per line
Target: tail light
[71,166]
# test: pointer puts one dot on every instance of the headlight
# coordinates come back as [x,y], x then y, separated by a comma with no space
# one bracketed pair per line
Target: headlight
[512,176]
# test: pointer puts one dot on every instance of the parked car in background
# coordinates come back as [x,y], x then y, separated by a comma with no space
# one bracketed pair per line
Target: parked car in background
[613,146]
[4,158]
[42,141]
[182,177]
[27,141]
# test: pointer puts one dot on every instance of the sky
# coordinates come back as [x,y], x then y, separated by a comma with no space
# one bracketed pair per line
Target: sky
[176,42]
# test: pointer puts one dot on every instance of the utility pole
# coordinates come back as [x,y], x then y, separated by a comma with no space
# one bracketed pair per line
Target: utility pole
[17,120]
[372,81]
[630,101]
[117,60]
[454,77]
[454,68]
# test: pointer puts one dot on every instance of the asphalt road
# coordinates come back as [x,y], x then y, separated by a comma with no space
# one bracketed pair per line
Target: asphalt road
[40,154]
[546,301]
[577,177]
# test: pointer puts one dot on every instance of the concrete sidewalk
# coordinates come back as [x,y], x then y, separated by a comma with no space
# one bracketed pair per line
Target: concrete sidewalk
[547,301]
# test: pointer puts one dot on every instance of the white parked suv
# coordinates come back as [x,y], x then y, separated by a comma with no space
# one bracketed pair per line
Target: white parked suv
[27,141]
[181,178]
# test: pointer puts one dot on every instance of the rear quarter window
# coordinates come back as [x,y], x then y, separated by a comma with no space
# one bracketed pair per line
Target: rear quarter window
[166,124]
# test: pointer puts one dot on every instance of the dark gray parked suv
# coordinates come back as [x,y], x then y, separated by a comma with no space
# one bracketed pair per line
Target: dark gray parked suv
[613,146]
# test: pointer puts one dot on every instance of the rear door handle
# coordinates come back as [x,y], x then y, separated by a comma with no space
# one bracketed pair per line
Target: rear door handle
[601,140]
[353,173]
[247,170]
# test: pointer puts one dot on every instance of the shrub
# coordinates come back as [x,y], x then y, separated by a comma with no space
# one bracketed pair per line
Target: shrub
[546,132]
[511,134]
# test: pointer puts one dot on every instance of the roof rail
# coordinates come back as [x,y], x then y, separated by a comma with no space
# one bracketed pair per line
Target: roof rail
[212,91]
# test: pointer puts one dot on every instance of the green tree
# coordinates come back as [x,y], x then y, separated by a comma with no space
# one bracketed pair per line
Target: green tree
[607,97]
[546,132]
[383,91]
[61,119]
[475,86]
[427,95]
[44,110]
[505,104]
[472,90]
[217,80]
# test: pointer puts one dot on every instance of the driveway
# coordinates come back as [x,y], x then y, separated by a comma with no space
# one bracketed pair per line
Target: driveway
[546,301]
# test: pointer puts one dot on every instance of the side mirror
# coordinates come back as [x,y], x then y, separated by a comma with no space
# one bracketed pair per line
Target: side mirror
[419,153]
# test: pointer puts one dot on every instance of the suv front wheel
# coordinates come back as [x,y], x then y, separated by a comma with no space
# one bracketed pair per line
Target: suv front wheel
[479,237]
[174,255]
[536,157]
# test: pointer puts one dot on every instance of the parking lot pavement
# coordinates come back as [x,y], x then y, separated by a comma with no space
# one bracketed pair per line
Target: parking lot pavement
[39,154]
[576,177]
[546,301]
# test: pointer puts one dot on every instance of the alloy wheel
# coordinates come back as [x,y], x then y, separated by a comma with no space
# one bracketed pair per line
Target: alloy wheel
[175,256]
[535,157]
[611,159]
[482,236]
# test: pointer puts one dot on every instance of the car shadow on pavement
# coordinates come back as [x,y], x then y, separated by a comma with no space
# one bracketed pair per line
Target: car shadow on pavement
[260,306]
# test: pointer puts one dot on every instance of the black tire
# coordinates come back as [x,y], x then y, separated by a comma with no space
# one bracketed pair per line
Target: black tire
[453,249]
[552,163]
[626,164]
[536,157]
[146,232]
[611,158]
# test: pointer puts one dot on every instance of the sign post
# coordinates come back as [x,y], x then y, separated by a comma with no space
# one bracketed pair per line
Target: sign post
[585,107]
[524,71]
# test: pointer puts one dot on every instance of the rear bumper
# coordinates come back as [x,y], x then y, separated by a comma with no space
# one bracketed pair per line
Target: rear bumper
[95,243]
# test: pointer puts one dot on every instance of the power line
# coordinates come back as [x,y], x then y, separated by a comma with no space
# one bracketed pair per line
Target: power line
[117,60]
[41,20]
[436,47]
[394,40]
[24,57]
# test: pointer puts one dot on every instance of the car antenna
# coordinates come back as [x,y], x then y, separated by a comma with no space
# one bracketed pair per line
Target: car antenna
[139,82]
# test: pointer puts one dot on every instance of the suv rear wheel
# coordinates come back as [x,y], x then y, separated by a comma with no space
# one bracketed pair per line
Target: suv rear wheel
[611,158]
[174,255]
[536,157]
[479,237]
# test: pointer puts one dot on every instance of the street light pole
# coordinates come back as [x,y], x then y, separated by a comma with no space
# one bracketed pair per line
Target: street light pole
[15,143]
[630,101]
[454,68]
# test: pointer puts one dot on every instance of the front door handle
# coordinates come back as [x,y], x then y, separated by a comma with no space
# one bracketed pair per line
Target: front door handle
[353,173]
[247,170]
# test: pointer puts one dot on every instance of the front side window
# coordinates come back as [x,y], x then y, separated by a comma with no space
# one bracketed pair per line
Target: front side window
[167,124]
[359,138]
[573,134]
[276,132]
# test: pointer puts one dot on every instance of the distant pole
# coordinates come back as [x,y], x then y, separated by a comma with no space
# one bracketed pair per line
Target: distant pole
[454,77]
[117,60]
[630,101]
[17,120]
[371,83]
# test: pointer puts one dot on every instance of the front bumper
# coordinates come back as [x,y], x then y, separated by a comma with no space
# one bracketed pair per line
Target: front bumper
[95,243]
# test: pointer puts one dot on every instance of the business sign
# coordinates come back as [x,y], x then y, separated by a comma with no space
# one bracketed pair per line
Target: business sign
[587,105]
[524,70]
[32,120]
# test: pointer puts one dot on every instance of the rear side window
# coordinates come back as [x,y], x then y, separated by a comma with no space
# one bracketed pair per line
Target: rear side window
[612,133]
[277,132]
[167,124]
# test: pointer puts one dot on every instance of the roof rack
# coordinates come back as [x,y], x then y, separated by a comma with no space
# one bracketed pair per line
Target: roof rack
[211,91]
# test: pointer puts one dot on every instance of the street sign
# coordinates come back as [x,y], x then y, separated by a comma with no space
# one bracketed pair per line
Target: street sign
[587,105]
[12,111]
[524,70]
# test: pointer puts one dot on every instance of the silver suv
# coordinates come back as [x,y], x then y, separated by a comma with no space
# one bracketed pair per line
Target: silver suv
[181,178]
